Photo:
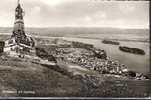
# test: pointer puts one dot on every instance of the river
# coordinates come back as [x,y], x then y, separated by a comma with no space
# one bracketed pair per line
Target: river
[138,63]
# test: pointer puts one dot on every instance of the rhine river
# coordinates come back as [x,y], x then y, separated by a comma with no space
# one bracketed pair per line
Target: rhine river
[138,63]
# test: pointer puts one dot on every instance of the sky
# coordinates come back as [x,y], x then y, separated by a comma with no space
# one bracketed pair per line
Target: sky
[77,13]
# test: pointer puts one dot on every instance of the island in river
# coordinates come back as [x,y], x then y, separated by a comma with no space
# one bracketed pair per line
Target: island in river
[110,42]
[132,50]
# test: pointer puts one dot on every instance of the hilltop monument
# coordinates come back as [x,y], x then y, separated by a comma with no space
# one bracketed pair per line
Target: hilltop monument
[19,43]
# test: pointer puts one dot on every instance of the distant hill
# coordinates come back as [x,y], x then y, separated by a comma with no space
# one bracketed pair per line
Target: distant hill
[68,31]
[5,29]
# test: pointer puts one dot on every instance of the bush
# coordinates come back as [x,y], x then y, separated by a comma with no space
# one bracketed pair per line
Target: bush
[2,43]
[40,52]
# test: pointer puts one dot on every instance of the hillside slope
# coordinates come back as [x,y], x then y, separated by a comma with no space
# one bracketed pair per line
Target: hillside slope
[45,81]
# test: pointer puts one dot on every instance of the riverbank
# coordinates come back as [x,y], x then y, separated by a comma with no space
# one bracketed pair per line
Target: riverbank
[86,56]
[136,63]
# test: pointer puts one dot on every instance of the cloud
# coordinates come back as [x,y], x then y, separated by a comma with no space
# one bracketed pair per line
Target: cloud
[36,10]
[100,15]
[45,13]
[54,2]
[128,7]
[87,18]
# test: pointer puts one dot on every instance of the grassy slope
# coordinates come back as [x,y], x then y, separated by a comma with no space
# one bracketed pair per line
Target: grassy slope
[44,81]
[27,76]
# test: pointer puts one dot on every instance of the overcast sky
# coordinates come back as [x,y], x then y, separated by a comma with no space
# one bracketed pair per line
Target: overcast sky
[87,13]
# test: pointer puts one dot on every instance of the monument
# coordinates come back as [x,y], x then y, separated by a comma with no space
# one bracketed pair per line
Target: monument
[19,43]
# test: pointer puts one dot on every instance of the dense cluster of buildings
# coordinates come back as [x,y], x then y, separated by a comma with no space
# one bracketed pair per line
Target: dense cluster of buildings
[88,59]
